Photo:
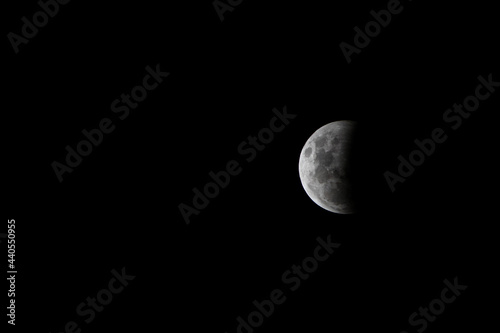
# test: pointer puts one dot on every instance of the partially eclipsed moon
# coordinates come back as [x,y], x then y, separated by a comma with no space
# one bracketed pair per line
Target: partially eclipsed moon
[324,167]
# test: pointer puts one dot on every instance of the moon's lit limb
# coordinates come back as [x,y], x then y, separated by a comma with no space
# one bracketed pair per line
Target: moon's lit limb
[324,167]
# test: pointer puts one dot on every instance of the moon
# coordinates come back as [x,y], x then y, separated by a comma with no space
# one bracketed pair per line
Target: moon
[325,167]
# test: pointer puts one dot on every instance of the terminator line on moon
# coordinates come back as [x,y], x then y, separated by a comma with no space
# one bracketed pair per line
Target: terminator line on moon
[324,167]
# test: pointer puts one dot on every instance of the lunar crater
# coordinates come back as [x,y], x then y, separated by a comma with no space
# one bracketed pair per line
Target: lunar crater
[324,167]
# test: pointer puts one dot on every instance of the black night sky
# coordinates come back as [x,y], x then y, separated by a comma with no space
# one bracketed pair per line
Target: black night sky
[118,208]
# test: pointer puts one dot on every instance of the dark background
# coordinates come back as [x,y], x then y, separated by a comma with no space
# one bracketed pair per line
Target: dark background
[119,208]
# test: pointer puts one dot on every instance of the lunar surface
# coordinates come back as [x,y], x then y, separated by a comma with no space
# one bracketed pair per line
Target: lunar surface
[324,167]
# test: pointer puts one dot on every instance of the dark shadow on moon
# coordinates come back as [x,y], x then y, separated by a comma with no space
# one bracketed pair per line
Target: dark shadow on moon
[324,167]
[366,170]
[336,168]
